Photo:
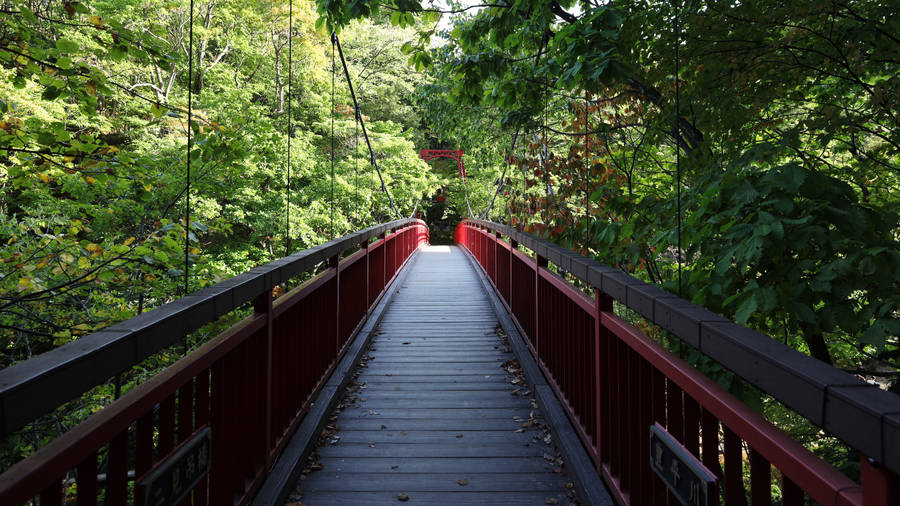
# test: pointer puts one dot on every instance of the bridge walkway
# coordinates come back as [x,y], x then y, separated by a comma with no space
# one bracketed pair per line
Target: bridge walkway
[438,414]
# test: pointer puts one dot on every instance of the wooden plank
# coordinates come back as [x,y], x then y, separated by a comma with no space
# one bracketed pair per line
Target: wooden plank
[496,386]
[432,378]
[432,413]
[448,395]
[442,498]
[425,369]
[427,450]
[432,482]
[447,437]
[456,424]
[432,465]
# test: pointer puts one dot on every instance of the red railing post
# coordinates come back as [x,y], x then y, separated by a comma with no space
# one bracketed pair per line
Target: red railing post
[513,246]
[333,263]
[393,254]
[539,262]
[497,247]
[365,247]
[263,305]
[384,250]
[880,487]
[602,303]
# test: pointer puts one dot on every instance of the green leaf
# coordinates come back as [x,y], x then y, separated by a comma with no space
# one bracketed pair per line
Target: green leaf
[746,310]
[67,46]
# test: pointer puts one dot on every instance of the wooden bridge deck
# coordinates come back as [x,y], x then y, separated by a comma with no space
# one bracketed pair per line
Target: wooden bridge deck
[434,417]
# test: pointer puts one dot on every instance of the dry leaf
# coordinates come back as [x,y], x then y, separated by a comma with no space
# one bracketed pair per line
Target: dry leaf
[570,485]
[551,500]
[458,436]
[402,497]
[462,483]
[519,430]
[317,467]
[394,467]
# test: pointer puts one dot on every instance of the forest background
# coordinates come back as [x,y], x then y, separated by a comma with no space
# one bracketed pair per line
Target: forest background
[763,182]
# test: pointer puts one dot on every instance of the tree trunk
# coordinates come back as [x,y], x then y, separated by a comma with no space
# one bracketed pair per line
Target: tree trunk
[816,343]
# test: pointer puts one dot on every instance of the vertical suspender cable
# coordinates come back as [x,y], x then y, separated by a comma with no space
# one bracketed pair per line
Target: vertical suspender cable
[287,189]
[587,171]
[187,191]
[333,38]
[356,165]
[677,133]
[362,123]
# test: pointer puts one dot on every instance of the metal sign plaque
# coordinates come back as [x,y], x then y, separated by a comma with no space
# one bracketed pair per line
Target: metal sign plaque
[173,478]
[688,479]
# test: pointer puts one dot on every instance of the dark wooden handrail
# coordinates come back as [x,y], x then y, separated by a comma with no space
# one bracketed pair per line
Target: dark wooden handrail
[860,414]
[38,385]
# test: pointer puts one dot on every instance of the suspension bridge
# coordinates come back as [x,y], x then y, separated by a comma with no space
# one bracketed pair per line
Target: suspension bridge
[503,369]
[494,371]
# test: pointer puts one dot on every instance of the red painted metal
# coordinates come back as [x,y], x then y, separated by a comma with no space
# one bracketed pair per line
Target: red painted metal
[251,385]
[456,154]
[630,381]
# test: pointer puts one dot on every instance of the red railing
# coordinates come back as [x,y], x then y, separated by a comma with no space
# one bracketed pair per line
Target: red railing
[251,385]
[615,383]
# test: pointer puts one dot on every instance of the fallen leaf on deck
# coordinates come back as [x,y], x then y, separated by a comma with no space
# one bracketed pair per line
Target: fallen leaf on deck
[402,497]
[519,430]
[551,500]
[570,485]
[459,436]
[462,483]
[317,467]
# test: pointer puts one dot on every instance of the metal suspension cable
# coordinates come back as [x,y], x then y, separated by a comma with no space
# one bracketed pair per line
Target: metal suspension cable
[333,39]
[356,165]
[415,208]
[587,171]
[384,189]
[677,134]
[287,217]
[187,192]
